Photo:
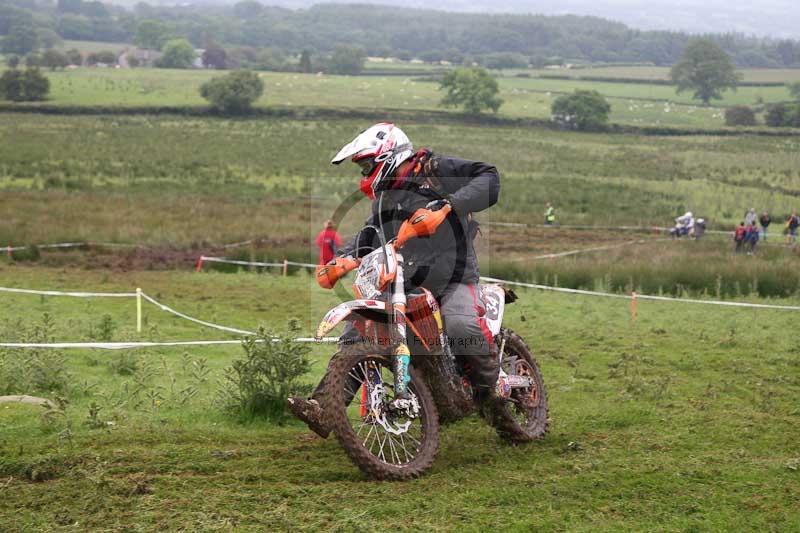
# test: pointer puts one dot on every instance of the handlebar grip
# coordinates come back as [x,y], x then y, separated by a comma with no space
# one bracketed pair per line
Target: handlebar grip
[423,223]
[328,275]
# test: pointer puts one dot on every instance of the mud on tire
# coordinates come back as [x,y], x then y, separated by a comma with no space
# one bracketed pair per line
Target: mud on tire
[334,405]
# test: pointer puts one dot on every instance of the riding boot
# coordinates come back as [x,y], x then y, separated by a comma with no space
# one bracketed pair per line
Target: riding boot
[495,410]
[493,407]
[484,369]
[310,412]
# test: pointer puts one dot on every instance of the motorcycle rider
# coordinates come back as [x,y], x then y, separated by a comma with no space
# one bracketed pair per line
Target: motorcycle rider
[399,181]
[684,225]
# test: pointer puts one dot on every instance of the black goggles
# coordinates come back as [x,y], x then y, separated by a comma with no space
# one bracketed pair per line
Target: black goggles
[367,165]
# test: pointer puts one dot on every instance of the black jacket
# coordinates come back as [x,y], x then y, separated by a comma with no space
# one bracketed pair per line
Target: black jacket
[449,255]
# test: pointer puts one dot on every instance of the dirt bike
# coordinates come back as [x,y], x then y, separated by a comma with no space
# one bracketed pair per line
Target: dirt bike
[385,403]
[681,229]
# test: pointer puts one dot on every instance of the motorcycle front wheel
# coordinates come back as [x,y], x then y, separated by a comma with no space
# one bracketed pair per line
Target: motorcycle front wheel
[384,442]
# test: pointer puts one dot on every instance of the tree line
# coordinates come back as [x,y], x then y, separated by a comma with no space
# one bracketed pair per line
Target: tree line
[248,27]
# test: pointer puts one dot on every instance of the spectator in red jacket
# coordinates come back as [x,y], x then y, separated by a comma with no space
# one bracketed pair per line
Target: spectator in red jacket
[740,236]
[328,242]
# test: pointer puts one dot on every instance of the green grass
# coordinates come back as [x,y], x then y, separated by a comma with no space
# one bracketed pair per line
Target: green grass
[179,182]
[682,420]
[764,75]
[708,268]
[650,105]
[399,66]
[89,47]
[743,95]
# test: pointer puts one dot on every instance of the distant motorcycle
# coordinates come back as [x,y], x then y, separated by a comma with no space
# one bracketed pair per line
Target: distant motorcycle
[384,403]
[694,229]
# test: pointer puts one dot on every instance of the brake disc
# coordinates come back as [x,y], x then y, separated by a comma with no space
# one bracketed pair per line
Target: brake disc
[378,410]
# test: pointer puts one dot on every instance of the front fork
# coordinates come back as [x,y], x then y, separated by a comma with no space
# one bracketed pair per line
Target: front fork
[401,358]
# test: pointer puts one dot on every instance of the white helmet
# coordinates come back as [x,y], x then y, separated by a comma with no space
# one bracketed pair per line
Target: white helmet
[378,150]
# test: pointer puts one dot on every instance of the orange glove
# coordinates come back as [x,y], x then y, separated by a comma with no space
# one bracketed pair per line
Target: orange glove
[328,275]
[423,223]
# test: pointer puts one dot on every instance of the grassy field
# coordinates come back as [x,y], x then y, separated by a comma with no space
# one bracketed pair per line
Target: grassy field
[639,104]
[744,95]
[754,75]
[88,47]
[650,266]
[681,420]
[183,182]
[184,187]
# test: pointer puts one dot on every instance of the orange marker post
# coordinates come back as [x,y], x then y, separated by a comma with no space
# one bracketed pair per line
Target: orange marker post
[199,266]
[634,309]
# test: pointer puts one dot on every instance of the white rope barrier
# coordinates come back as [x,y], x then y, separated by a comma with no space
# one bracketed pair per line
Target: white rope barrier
[303,265]
[9,249]
[573,226]
[641,296]
[661,229]
[718,302]
[585,250]
[112,345]
[237,244]
[71,294]
[206,259]
[596,293]
[139,295]
[195,320]
[554,289]
[138,345]
[224,328]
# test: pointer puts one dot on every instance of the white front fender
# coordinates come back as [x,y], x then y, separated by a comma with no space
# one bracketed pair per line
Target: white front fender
[341,312]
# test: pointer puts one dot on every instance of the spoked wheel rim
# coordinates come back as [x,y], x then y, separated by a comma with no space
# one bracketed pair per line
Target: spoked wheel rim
[390,436]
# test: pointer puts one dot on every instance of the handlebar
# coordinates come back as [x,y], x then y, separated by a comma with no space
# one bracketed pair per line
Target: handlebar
[423,223]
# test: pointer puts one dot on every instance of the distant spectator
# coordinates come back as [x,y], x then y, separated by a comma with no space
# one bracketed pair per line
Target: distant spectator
[699,228]
[550,215]
[750,217]
[791,227]
[328,242]
[752,238]
[765,220]
[739,236]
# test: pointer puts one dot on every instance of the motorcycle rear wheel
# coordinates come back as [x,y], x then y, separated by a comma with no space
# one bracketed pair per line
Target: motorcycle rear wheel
[528,407]
[377,452]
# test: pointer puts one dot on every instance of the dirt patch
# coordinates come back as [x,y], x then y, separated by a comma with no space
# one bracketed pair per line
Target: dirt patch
[509,243]
[513,243]
[160,257]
